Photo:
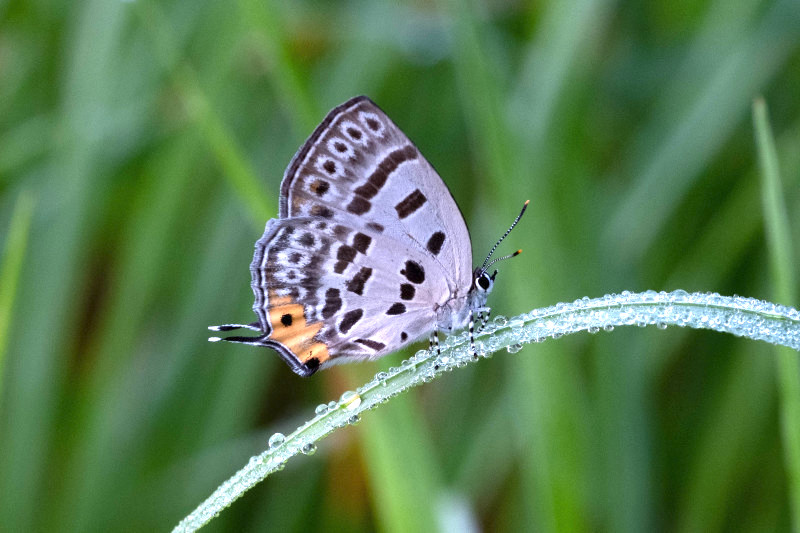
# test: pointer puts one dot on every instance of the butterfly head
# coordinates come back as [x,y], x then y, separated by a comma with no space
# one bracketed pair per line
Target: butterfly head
[482,282]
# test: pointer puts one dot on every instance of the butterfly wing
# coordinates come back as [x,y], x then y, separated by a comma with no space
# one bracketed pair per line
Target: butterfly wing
[369,244]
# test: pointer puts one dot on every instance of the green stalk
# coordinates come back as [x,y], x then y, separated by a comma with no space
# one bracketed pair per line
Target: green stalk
[779,244]
[10,269]
[743,317]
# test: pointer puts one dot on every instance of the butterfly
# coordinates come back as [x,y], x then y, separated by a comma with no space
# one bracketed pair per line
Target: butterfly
[369,252]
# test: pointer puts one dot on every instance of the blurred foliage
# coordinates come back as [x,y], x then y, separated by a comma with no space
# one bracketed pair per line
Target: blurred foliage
[151,138]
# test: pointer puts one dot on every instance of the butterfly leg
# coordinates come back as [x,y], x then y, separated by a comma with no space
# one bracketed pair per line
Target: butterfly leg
[434,340]
[483,317]
[472,334]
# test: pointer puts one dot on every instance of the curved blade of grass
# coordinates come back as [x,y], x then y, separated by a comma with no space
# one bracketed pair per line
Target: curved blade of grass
[781,255]
[10,267]
[743,317]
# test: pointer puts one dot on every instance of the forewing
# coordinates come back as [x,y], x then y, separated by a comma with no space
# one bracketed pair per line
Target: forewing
[359,167]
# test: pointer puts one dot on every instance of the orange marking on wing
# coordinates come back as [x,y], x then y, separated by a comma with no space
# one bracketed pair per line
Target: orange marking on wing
[289,327]
[298,201]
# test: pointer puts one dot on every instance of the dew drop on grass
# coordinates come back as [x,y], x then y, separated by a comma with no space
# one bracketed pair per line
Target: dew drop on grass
[514,348]
[309,448]
[276,440]
[350,400]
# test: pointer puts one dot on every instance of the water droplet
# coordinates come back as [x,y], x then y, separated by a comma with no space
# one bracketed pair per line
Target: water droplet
[516,322]
[608,327]
[661,325]
[321,409]
[309,448]
[276,440]
[350,400]
[514,348]
[381,376]
[331,405]
[593,329]
[353,420]
[500,321]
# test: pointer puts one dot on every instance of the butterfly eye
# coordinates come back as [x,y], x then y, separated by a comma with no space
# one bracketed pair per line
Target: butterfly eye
[483,282]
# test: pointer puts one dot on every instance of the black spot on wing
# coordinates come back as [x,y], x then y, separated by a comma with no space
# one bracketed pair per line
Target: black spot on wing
[396,309]
[350,319]
[333,302]
[407,291]
[321,211]
[341,231]
[403,336]
[329,166]
[320,187]
[312,364]
[344,256]
[361,242]
[410,204]
[413,272]
[346,253]
[356,284]
[358,206]
[286,320]
[435,243]
[307,240]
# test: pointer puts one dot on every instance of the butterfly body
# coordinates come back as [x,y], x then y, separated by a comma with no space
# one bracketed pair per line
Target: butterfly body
[370,251]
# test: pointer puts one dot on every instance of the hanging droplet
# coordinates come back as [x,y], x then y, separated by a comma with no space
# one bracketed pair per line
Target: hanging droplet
[309,448]
[321,409]
[514,348]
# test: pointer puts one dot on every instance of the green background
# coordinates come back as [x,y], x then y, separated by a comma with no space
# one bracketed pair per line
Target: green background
[147,141]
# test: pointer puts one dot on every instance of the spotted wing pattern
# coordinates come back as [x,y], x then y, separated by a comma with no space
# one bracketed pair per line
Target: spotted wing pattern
[368,245]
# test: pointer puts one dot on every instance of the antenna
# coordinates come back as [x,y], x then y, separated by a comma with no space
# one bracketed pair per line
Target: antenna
[486,263]
[498,259]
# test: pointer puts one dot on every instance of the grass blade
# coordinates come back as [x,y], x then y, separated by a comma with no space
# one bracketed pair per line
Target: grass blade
[779,243]
[10,268]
